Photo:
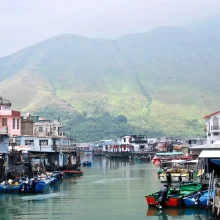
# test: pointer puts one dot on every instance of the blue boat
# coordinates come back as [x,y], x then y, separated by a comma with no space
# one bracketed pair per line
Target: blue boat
[189,201]
[87,163]
[10,188]
[53,180]
[37,186]
[42,186]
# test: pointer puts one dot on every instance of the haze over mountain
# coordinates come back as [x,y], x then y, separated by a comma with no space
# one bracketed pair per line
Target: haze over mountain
[164,80]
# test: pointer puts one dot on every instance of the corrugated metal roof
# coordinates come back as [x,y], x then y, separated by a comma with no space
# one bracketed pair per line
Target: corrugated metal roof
[210,154]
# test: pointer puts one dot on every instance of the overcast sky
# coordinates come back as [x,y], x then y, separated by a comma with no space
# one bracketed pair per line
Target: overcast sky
[24,22]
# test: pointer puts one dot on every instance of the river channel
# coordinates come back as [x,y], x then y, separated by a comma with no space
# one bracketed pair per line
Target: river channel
[109,190]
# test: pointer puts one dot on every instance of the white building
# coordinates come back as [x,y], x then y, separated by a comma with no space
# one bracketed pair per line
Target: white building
[139,142]
[213,127]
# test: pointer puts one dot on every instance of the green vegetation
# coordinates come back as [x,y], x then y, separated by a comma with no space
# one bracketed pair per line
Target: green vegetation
[163,82]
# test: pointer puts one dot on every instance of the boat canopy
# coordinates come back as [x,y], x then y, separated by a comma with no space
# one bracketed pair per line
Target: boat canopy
[176,161]
[210,154]
[206,147]
[188,162]
[169,153]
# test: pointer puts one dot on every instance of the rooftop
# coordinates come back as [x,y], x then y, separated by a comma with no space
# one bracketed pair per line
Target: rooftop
[208,116]
[4,102]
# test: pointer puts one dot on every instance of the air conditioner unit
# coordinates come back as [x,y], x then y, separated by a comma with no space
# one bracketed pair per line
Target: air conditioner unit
[12,140]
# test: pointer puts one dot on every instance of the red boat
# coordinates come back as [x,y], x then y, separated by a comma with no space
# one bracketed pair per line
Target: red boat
[175,195]
[72,173]
[163,156]
[152,200]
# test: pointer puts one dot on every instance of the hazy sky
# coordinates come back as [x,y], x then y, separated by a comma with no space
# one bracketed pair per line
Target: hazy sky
[24,22]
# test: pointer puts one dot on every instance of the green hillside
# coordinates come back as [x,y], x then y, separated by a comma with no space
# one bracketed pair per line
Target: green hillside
[163,81]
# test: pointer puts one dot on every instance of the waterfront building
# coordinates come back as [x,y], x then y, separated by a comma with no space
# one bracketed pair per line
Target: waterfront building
[10,120]
[138,142]
[44,127]
[213,127]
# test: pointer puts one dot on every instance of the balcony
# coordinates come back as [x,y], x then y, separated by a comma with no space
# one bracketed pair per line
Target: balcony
[3,130]
[64,148]
[215,127]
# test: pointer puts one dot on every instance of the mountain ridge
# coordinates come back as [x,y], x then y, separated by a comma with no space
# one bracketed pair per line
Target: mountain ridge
[159,80]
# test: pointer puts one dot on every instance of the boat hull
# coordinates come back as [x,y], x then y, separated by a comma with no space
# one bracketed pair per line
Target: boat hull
[171,202]
[10,188]
[39,187]
[72,173]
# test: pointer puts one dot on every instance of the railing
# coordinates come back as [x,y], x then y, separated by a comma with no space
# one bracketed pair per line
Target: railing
[3,129]
[64,148]
[215,127]
[4,102]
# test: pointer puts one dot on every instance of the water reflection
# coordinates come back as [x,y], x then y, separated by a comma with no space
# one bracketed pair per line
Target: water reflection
[177,213]
[110,189]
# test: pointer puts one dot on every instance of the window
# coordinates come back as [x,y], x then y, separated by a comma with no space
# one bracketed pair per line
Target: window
[4,122]
[29,142]
[18,142]
[13,123]
[216,134]
[18,123]
[43,142]
[54,128]
[215,123]
[40,129]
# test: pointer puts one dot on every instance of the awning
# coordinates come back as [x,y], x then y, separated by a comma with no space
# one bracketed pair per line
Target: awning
[210,154]
[176,161]
[206,147]
[188,162]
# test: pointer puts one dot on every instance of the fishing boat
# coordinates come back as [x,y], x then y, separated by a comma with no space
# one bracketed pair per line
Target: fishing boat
[189,201]
[175,195]
[165,165]
[10,188]
[72,173]
[36,185]
[166,156]
[176,175]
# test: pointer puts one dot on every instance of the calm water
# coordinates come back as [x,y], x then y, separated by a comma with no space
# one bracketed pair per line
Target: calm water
[110,189]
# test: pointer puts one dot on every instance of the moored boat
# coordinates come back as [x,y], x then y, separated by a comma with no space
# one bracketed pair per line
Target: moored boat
[174,196]
[191,201]
[72,173]
[36,185]
[167,156]
[176,175]
[10,188]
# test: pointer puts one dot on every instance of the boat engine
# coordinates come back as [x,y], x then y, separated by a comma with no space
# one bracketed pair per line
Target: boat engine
[162,196]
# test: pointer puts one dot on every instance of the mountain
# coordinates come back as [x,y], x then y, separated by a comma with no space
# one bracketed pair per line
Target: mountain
[163,81]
